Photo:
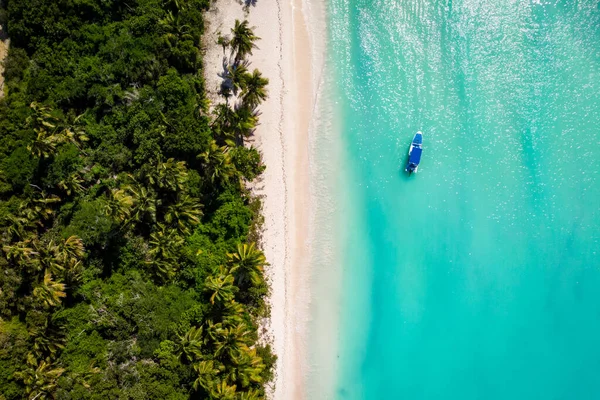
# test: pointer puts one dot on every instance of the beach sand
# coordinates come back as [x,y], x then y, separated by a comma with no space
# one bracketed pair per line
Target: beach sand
[4,43]
[291,56]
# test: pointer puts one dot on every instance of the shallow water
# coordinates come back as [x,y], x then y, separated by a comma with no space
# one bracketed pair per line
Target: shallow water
[478,277]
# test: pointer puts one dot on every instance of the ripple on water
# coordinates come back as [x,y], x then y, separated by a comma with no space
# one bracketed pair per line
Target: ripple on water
[479,274]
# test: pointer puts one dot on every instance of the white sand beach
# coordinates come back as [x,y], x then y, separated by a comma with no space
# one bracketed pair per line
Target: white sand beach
[291,56]
[4,43]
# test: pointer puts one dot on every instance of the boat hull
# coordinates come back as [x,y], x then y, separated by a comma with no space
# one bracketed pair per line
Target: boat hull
[414,153]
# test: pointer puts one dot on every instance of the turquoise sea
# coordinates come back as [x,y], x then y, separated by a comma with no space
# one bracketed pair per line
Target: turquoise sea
[478,277]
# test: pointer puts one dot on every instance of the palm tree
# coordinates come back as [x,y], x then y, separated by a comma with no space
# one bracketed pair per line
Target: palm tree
[38,210]
[144,204]
[21,252]
[74,134]
[44,125]
[41,117]
[252,394]
[243,40]
[232,313]
[164,243]
[232,341]
[119,204]
[247,264]
[164,269]
[217,162]
[236,73]
[72,184]
[243,122]
[221,288]
[223,41]
[48,338]
[45,143]
[189,346]
[222,122]
[48,134]
[207,371]
[47,257]
[247,368]
[49,292]
[223,391]
[174,30]
[39,379]
[170,175]
[254,91]
[184,214]
[17,227]
[71,250]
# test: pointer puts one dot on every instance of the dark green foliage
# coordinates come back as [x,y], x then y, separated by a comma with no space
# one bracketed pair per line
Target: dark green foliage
[15,64]
[247,161]
[13,346]
[122,206]
[91,224]
[18,168]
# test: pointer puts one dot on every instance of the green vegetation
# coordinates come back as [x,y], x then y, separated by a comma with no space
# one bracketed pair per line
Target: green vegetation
[128,271]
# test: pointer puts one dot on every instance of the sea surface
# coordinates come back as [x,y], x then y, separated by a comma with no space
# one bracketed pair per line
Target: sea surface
[479,276]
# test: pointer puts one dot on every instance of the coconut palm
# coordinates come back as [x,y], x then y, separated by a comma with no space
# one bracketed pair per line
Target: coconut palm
[251,394]
[173,30]
[39,379]
[165,243]
[47,257]
[242,41]
[45,143]
[71,250]
[217,163]
[222,123]
[39,210]
[207,371]
[184,214]
[237,74]
[49,292]
[119,205]
[164,246]
[223,391]
[243,121]
[73,184]
[232,341]
[17,227]
[74,135]
[232,313]
[21,252]
[223,41]
[247,264]
[44,125]
[247,368]
[170,175]
[144,204]
[254,90]
[189,345]
[48,339]
[41,117]
[48,134]
[220,287]
[165,270]
[70,255]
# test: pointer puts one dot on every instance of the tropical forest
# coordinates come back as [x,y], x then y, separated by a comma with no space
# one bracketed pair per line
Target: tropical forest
[131,265]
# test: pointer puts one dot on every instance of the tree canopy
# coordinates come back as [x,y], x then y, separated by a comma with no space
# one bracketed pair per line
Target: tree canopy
[127,265]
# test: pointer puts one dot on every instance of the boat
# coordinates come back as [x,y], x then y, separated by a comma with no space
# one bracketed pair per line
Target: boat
[414,153]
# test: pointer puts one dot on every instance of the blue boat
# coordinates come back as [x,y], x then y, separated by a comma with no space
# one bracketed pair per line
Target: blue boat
[414,153]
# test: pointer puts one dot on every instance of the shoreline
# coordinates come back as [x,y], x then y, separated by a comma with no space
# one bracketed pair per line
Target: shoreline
[286,55]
